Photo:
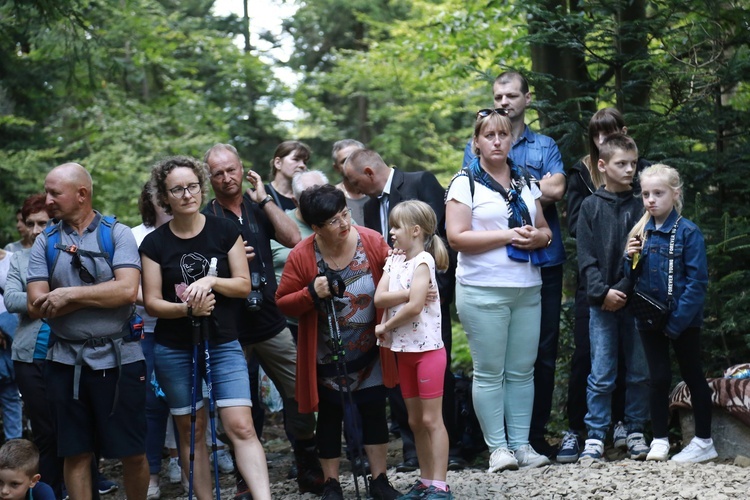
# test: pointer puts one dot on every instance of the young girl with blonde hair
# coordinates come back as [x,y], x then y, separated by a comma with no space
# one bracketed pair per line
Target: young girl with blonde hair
[411,328]
[648,250]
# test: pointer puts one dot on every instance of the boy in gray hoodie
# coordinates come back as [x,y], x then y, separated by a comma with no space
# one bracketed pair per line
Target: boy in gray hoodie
[604,221]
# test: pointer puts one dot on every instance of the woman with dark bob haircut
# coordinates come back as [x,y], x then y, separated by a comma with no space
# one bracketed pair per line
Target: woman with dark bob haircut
[357,254]
[177,287]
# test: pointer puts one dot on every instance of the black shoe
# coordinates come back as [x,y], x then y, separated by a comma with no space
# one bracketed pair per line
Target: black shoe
[542,447]
[293,471]
[381,488]
[332,490]
[457,463]
[408,465]
[309,473]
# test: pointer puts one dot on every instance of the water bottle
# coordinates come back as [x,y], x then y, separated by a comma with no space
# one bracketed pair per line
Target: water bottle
[212,271]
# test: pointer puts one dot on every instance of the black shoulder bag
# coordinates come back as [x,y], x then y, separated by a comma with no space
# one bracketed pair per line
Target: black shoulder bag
[652,314]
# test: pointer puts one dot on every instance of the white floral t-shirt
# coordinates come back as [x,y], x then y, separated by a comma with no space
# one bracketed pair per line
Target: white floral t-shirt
[423,333]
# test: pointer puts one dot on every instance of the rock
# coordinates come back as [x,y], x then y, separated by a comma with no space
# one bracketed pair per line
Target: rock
[741,461]
[731,437]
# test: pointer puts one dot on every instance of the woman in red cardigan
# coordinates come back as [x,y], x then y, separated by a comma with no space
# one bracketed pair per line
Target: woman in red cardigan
[357,254]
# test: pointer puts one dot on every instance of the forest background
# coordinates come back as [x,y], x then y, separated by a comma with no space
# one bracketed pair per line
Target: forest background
[118,84]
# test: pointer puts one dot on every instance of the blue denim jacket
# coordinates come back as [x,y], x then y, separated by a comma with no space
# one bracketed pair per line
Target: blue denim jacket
[690,272]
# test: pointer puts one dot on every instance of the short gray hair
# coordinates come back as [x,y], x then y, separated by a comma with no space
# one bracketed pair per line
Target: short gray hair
[344,143]
[298,184]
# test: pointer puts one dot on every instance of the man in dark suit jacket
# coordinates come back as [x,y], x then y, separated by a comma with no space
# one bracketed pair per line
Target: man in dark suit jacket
[387,186]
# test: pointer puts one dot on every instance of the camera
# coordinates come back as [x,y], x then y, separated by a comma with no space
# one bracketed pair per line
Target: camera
[255,298]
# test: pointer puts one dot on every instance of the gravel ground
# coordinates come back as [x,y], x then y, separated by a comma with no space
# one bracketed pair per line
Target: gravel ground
[616,478]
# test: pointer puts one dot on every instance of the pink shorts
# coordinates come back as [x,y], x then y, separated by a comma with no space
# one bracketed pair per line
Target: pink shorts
[421,373]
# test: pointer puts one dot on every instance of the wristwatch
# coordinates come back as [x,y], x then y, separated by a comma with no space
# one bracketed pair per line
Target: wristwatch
[265,200]
[549,242]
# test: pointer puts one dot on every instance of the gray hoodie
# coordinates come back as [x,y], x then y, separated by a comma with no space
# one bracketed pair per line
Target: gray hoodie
[601,235]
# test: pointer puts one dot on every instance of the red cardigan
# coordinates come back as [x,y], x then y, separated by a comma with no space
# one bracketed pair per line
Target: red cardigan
[294,299]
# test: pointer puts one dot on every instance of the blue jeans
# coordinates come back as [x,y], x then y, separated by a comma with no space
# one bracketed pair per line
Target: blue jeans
[157,411]
[608,330]
[11,403]
[502,327]
[230,381]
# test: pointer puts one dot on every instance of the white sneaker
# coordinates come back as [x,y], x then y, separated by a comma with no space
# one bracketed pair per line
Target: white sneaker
[502,459]
[528,457]
[659,451]
[620,436]
[594,449]
[175,473]
[226,464]
[154,493]
[696,451]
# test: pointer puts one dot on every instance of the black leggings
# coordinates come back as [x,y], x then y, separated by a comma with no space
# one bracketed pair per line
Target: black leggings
[330,415]
[687,348]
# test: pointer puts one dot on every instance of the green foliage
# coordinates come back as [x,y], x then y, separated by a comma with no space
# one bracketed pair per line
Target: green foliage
[118,85]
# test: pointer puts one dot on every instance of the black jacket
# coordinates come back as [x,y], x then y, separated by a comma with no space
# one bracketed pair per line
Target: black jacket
[603,225]
[422,186]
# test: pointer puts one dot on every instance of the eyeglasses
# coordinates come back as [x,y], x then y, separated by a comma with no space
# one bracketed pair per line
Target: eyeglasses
[342,217]
[83,273]
[483,113]
[179,191]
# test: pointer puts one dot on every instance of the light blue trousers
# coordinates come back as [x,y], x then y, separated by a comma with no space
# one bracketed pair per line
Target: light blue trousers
[502,327]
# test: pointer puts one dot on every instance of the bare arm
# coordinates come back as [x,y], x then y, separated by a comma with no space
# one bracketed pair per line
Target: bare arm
[121,290]
[385,298]
[287,232]
[153,300]
[553,188]
[463,239]
[420,283]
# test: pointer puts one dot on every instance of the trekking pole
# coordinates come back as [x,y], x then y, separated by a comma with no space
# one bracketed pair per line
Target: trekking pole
[337,286]
[193,402]
[211,401]
[205,334]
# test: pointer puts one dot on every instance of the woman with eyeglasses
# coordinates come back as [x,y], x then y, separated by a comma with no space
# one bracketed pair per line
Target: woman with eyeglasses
[494,220]
[329,283]
[194,267]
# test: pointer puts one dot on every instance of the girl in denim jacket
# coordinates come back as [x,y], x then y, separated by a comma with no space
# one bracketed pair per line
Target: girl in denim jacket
[648,243]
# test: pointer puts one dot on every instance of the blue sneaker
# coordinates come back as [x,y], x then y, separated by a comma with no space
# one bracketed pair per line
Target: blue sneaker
[417,491]
[106,486]
[637,446]
[433,493]
[569,449]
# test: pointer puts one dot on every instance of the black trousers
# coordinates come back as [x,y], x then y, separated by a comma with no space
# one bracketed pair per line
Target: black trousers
[687,349]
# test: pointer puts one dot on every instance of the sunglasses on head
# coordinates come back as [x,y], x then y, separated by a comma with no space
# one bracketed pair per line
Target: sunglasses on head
[483,113]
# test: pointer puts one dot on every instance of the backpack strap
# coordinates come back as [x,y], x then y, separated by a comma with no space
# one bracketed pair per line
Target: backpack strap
[52,232]
[104,237]
[471,181]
